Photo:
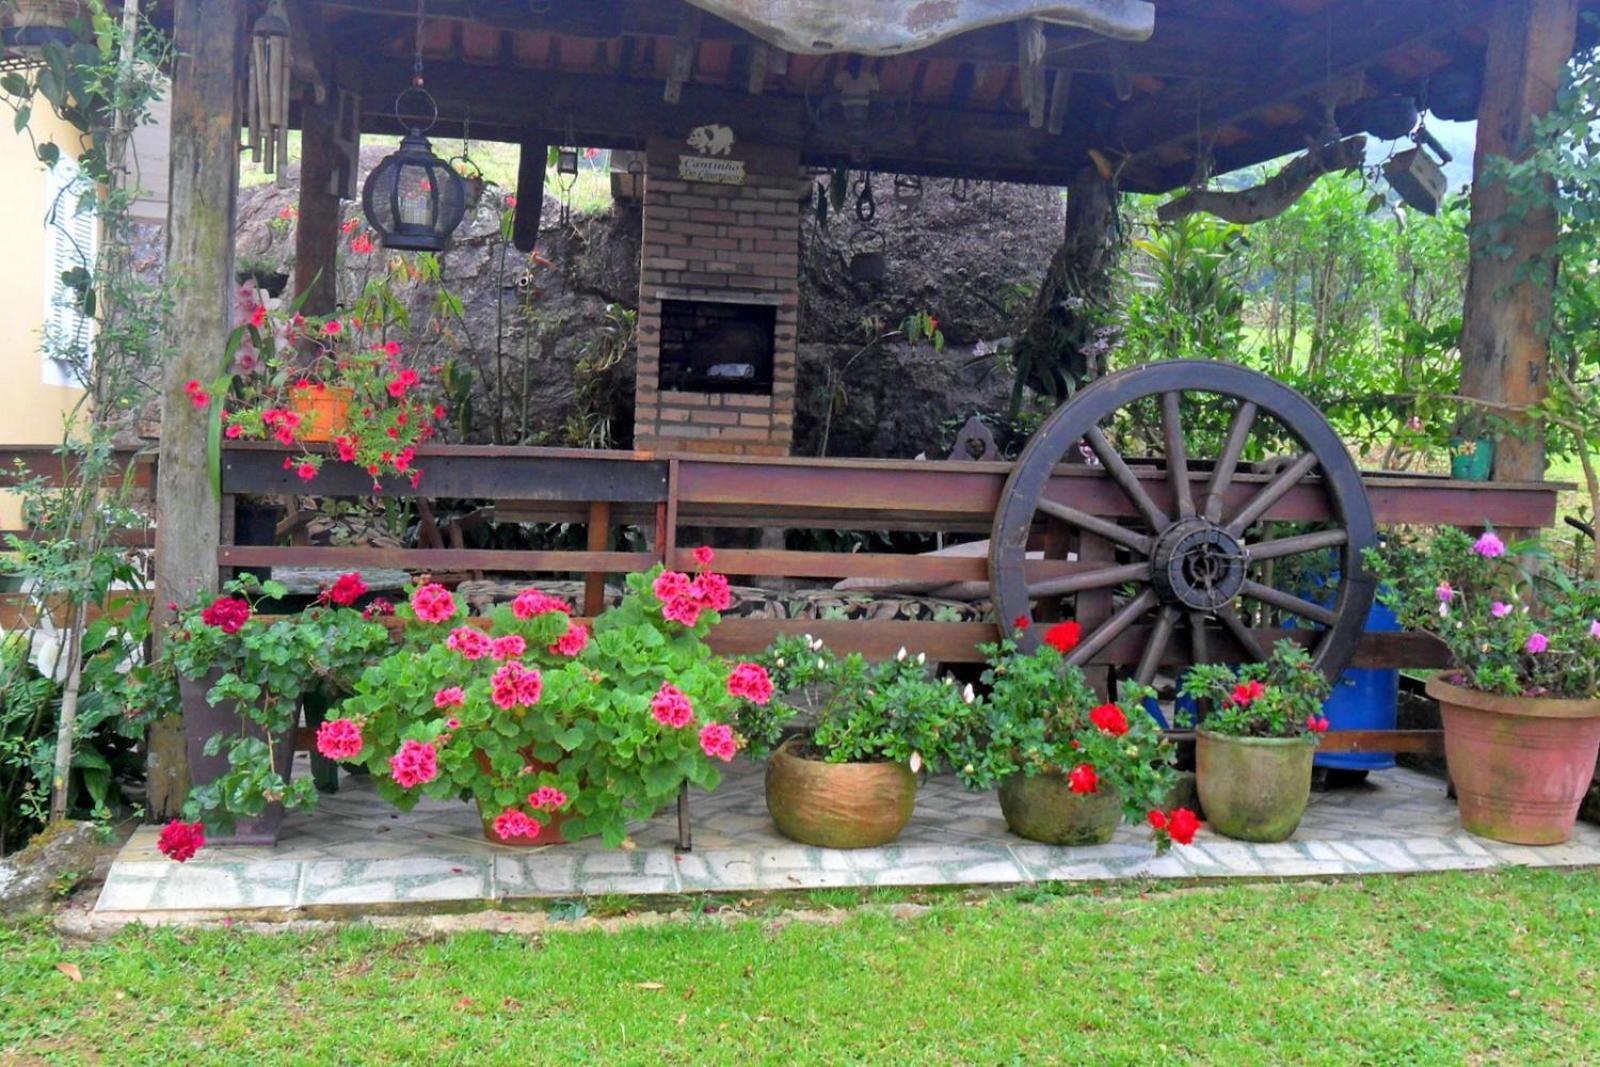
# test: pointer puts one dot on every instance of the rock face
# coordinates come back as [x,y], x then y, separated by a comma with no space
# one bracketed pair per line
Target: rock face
[31,881]
[547,338]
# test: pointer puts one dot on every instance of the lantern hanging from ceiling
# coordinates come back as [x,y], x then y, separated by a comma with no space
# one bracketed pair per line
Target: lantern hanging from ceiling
[413,199]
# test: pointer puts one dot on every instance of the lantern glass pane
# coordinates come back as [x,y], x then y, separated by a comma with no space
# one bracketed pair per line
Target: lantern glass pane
[415,196]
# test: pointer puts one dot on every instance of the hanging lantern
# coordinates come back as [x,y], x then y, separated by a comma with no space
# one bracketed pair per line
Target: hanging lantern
[413,199]
[567,162]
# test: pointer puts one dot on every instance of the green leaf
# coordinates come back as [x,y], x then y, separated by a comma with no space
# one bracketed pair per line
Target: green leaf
[49,153]
[19,122]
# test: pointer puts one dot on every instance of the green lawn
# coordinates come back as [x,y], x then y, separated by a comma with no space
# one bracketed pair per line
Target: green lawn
[1459,968]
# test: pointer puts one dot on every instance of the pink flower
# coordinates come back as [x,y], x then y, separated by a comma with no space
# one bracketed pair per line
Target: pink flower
[472,644]
[181,840]
[671,707]
[1444,592]
[361,244]
[1537,643]
[1594,629]
[574,641]
[514,823]
[380,606]
[547,798]
[683,609]
[433,603]
[339,739]
[306,471]
[1499,609]
[450,697]
[531,602]
[1317,724]
[514,685]
[750,681]
[347,449]
[716,740]
[417,763]
[508,647]
[711,590]
[233,431]
[671,585]
[1489,546]
[332,327]
[704,555]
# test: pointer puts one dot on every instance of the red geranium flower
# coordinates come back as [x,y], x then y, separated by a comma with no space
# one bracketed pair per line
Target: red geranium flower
[181,840]
[1021,622]
[1110,718]
[1182,825]
[346,589]
[1064,636]
[1082,779]
[226,613]
[1245,692]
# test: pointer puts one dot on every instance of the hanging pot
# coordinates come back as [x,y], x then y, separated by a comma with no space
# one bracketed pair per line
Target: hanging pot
[324,411]
[869,262]
[31,24]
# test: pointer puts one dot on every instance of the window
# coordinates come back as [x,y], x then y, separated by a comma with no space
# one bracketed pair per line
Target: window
[72,240]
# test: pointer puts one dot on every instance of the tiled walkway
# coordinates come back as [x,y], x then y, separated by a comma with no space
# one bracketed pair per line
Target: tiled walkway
[355,852]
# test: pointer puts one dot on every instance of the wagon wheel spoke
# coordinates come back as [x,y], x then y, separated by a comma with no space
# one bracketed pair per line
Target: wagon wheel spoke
[1102,578]
[1227,463]
[1298,544]
[1177,455]
[1160,638]
[1289,602]
[1126,480]
[1271,493]
[1096,525]
[1112,628]
[1241,632]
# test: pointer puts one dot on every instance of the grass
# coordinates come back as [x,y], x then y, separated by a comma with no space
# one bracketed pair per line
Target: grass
[1499,967]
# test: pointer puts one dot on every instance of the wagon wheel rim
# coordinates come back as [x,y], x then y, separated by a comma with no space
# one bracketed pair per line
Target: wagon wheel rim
[1191,536]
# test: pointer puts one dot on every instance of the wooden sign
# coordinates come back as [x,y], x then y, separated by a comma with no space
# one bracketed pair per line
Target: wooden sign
[715,145]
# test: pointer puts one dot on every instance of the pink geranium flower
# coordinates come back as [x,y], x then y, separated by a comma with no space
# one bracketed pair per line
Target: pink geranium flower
[531,602]
[514,685]
[711,591]
[417,763]
[471,643]
[339,739]
[683,609]
[450,697]
[704,555]
[750,681]
[547,798]
[574,641]
[433,603]
[671,707]
[508,647]
[671,585]
[716,740]
[514,823]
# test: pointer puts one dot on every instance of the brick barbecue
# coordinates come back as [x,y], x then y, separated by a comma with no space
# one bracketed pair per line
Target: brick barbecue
[718,300]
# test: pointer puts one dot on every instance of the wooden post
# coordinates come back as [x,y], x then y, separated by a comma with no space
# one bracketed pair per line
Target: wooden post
[316,235]
[599,539]
[1505,348]
[208,40]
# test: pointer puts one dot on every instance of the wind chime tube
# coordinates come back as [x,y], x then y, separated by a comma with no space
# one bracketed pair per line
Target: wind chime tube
[257,79]
[279,49]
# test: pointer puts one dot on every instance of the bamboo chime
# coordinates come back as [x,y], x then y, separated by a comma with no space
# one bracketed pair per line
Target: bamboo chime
[269,79]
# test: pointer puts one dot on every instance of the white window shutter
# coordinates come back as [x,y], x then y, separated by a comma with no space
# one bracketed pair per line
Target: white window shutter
[72,240]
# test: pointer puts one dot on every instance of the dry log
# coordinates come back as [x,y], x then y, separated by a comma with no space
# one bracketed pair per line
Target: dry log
[1275,195]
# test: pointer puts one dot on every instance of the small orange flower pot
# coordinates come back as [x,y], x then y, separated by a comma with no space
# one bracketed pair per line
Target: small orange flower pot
[324,411]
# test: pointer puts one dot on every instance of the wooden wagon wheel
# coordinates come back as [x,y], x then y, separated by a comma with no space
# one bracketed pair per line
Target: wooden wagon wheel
[1194,547]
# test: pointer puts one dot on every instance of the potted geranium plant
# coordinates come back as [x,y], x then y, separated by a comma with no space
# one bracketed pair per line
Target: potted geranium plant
[241,681]
[1521,700]
[849,778]
[1069,766]
[1254,746]
[555,731]
[340,383]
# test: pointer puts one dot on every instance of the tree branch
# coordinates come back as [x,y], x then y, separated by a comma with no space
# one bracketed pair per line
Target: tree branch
[1275,195]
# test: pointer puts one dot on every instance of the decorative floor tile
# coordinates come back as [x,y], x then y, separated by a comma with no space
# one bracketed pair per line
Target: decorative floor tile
[356,851]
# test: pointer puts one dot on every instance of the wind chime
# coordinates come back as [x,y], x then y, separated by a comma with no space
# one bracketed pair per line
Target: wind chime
[267,111]
[567,172]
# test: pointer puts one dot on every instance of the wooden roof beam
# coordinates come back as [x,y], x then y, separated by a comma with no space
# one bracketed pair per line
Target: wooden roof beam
[1361,35]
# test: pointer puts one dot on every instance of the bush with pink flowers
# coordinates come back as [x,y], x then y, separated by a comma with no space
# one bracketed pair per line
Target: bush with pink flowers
[541,719]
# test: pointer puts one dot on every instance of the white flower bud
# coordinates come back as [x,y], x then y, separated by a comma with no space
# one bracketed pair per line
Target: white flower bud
[822,664]
[915,762]
[779,661]
[901,655]
[922,657]
[968,695]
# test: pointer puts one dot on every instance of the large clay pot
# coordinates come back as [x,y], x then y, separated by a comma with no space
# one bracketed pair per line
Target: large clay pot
[838,805]
[1042,807]
[550,823]
[1254,788]
[200,722]
[1520,765]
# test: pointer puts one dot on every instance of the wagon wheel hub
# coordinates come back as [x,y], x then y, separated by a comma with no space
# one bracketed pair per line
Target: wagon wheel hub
[1197,565]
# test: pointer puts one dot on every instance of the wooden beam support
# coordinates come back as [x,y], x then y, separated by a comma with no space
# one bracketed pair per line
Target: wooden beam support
[685,44]
[535,154]
[760,57]
[1310,59]
[1060,95]
[208,40]
[1030,69]
[1505,352]
[316,235]
[1275,195]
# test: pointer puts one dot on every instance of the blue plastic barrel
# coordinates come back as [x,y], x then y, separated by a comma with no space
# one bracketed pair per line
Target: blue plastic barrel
[1364,699]
[1184,707]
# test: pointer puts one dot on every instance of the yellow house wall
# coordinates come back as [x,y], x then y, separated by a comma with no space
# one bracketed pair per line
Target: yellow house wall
[33,411]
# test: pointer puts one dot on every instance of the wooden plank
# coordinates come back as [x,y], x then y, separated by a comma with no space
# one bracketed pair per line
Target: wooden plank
[599,538]
[1378,650]
[432,559]
[44,461]
[1424,742]
[927,568]
[20,611]
[947,642]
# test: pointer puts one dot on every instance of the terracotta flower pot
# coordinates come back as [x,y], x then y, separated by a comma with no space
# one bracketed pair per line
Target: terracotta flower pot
[550,823]
[1041,807]
[324,413]
[1254,788]
[1520,765]
[200,721]
[838,805]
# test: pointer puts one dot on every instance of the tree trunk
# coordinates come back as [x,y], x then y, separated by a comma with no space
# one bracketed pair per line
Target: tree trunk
[1505,349]
[208,41]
